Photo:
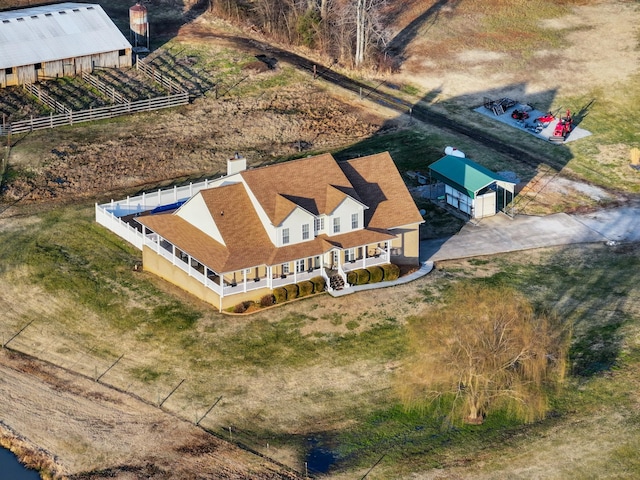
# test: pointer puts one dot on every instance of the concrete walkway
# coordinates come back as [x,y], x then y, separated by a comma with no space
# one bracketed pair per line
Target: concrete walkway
[425,268]
[500,234]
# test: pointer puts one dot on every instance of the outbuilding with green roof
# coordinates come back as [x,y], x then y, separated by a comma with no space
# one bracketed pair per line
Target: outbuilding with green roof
[472,188]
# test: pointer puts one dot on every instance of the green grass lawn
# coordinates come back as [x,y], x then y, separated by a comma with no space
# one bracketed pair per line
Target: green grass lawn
[328,362]
[320,371]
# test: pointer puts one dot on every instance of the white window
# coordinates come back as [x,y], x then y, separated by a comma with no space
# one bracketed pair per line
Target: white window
[285,268]
[336,225]
[350,255]
[299,266]
[285,236]
[354,221]
[319,224]
[305,231]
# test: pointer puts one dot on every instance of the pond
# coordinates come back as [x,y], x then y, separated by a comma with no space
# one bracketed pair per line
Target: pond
[12,469]
[320,458]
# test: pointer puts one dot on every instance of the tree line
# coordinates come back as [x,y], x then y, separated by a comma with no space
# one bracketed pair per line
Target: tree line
[349,31]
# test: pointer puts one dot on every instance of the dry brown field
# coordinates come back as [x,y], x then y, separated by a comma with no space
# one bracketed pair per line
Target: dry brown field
[273,399]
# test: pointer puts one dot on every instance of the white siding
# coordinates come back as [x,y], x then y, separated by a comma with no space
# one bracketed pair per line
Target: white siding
[294,223]
[344,212]
[484,205]
[458,200]
[195,212]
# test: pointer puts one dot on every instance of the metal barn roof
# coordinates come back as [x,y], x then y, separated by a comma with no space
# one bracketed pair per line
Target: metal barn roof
[466,176]
[54,32]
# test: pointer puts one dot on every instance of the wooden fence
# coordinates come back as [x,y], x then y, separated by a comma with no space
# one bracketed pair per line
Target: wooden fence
[106,90]
[100,113]
[45,98]
[157,76]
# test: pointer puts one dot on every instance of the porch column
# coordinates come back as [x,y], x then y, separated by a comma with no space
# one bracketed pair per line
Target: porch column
[244,280]
[189,265]
[364,251]
[269,277]
[158,244]
[173,253]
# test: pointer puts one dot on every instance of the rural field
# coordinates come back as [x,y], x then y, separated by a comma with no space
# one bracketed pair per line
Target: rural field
[109,372]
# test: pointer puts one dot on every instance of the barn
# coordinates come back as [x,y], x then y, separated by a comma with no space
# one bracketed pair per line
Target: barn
[470,187]
[58,40]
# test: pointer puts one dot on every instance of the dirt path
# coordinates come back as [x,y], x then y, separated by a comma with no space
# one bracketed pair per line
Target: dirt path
[92,428]
[395,103]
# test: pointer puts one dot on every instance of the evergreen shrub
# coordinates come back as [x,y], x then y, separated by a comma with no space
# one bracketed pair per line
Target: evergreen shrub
[292,291]
[280,294]
[305,288]
[376,274]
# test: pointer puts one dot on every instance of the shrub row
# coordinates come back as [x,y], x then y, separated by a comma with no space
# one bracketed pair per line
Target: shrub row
[374,274]
[288,292]
[297,290]
[360,276]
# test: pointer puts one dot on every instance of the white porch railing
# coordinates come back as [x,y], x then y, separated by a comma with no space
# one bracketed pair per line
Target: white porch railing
[152,242]
[151,200]
[120,228]
[248,284]
[366,262]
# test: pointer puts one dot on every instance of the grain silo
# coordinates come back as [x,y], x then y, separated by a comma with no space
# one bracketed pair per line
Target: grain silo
[139,27]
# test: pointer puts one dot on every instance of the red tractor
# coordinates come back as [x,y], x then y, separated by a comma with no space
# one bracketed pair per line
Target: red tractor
[563,129]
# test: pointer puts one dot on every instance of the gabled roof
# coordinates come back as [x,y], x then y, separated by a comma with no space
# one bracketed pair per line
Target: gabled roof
[380,186]
[322,185]
[247,242]
[316,184]
[188,238]
[465,175]
[55,32]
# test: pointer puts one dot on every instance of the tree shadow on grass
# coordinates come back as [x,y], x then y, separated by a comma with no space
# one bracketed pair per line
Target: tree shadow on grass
[596,350]
[422,22]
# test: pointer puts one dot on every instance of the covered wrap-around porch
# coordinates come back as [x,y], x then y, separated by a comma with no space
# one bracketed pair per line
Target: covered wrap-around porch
[267,277]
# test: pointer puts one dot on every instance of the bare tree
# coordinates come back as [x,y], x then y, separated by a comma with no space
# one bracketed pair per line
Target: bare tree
[369,31]
[486,349]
